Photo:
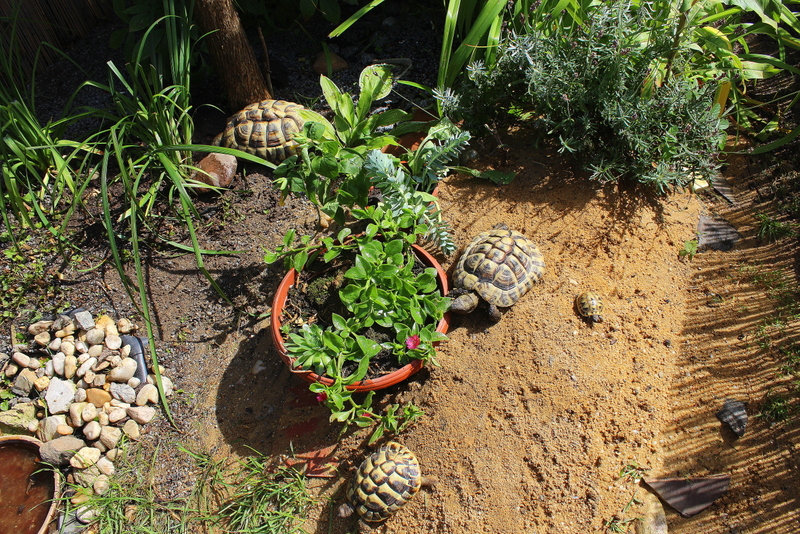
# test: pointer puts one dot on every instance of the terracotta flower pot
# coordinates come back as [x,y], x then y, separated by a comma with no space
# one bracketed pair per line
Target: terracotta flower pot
[381,382]
[28,488]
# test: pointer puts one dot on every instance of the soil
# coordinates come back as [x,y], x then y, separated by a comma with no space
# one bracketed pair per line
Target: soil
[528,421]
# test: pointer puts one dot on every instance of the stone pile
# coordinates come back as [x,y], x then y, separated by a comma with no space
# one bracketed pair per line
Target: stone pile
[80,386]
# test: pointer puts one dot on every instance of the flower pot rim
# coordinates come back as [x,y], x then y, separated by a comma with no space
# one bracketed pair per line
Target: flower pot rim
[371,384]
[32,442]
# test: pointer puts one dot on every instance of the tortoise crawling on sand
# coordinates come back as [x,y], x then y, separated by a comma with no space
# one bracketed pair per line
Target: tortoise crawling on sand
[590,306]
[264,129]
[383,484]
[498,266]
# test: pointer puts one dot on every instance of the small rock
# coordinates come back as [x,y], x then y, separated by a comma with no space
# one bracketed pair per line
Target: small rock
[49,428]
[83,319]
[95,351]
[216,170]
[55,344]
[68,348]
[85,366]
[81,347]
[70,366]
[141,414]
[105,465]
[734,414]
[124,372]
[85,457]
[75,411]
[60,394]
[11,370]
[125,326]
[113,342]
[41,383]
[166,383]
[102,418]
[99,444]
[49,369]
[123,392]
[86,477]
[38,327]
[58,363]
[134,382]
[112,454]
[100,485]
[21,359]
[42,339]
[131,429]
[34,364]
[89,412]
[86,514]
[80,395]
[102,322]
[258,367]
[23,383]
[110,436]
[97,397]
[80,497]
[117,414]
[59,451]
[92,430]
[148,393]
[99,381]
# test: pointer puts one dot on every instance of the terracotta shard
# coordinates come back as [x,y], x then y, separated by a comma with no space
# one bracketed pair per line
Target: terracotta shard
[689,496]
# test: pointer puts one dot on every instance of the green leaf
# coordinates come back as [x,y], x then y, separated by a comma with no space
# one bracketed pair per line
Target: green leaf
[349,294]
[338,322]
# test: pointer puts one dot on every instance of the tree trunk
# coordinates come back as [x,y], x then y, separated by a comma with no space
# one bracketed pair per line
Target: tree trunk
[231,53]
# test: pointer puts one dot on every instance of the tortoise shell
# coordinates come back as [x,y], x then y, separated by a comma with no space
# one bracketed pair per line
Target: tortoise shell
[500,265]
[590,305]
[384,482]
[264,129]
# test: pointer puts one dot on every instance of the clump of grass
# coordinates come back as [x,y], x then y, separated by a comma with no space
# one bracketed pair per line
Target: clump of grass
[774,230]
[251,496]
[776,408]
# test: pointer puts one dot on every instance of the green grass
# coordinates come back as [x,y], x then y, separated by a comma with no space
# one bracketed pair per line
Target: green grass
[774,230]
[250,496]
[776,408]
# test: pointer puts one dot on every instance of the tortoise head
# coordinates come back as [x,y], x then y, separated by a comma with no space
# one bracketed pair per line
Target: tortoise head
[465,303]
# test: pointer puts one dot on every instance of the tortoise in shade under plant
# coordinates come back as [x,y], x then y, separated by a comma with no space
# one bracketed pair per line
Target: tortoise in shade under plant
[383,483]
[264,129]
[590,306]
[498,266]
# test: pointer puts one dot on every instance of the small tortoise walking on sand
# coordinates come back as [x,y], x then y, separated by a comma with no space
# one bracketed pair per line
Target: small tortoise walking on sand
[264,129]
[498,266]
[590,306]
[383,484]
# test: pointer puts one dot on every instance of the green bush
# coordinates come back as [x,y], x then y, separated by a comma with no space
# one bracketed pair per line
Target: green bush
[588,86]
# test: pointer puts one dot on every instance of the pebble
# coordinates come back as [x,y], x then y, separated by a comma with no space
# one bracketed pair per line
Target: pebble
[80,346]
[148,393]
[21,359]
[70,366]
[85,457]
[95,351]
[123,392]
[75,411]
[86,514]
[49,369]
[23,383]
[125,326]
[112,454]
[34,364]
[41,383]
[38,327]
[95,336]
[102,322]
[166,383]
[82,357]
[141,414]
[102,418]
[100,485]
[42,339]
[60,450]
[85,366]
[48,429]
[55,344]
[105,465]
[131,429]
[60,394]
[11,370]
[68,348]
[83,319]
[116,415]
[98,397]
[80,395]
[124,372]
[110,436]
[89,412]
[113,342]
[92,430]
[80,498]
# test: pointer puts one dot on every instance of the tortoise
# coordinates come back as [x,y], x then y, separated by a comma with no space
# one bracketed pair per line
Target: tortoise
[383,483]
[264,129]
[590,306]
[498,266]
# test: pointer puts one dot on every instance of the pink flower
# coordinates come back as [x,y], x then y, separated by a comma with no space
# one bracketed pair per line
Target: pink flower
[322,396]
[412,342]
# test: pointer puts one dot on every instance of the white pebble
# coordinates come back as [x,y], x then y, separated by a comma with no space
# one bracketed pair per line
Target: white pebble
[134,382]
[80,395]
[92,430]
[21,359]
[55,344]
[68,348]
[148,393]
[89,412]
[113,342]
[85,457]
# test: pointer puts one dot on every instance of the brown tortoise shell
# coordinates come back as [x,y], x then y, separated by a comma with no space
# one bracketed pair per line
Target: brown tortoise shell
[500,266]
[384,482]
[264,129]
[590,305]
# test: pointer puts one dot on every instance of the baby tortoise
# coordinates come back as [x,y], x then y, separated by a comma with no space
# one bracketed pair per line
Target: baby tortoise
[498,266]
[590,306]
[264,129]
[383,484]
